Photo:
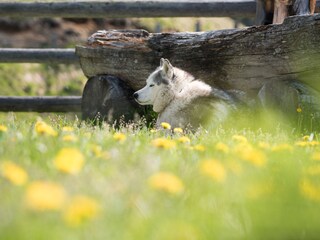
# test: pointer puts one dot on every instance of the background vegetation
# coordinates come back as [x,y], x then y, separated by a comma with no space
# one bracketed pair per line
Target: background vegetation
[64,179]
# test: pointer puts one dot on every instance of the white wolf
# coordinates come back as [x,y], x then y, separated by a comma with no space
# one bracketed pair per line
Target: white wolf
[181,100]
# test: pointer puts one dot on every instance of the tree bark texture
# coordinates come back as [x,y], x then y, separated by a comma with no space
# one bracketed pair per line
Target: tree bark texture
[242,59]
[278,10]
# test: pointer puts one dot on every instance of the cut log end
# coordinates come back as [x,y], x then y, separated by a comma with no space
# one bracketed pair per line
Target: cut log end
[107,98]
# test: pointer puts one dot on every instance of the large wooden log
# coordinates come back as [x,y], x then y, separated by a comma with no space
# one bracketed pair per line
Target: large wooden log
[243,59]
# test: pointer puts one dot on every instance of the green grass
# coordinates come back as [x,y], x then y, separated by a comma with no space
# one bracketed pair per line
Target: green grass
[258,184]
[41,79]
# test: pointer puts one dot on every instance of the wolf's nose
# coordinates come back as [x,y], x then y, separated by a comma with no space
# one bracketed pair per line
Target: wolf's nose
[135,95]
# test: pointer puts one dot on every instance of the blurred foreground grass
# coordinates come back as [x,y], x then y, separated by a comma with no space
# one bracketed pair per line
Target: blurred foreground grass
[60,179]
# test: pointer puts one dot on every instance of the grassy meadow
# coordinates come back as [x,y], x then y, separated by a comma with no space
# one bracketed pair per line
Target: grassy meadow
[60,178]
[63,179]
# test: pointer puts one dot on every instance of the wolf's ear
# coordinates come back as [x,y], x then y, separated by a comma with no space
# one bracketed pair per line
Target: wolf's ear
[167,68]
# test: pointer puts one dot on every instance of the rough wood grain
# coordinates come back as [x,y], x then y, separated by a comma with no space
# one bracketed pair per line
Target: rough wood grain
[233,59]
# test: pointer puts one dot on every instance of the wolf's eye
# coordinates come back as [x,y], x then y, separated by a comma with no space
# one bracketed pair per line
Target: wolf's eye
[151,85]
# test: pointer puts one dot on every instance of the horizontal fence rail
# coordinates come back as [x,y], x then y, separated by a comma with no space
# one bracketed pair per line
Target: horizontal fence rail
[134,9]
[40,104]
[34,55]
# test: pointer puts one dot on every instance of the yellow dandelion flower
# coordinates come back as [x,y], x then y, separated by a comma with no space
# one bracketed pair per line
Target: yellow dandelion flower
[67,129]
[3,128]
[315,156]
[178,130]
[252,155]
[214,169]
[120,137]
[307,144]
[306,138]
[299,109]
[167,182]
[80,210]
[97,150]
[239,138]
[13,173]
[282,148]
[222,147]
[45,196]
[153,130]
[199,148]
[310,190]
[44,129]
[184,139]
[69,138]
[163,143]
[314,143]
[69,160]
[313,170]
[99,153]
[264,145]
[241,147]
[165,125]
[302,144]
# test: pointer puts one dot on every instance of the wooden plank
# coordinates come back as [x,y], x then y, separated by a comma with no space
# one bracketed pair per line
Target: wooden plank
[134,9]
[40,104]
[33,55]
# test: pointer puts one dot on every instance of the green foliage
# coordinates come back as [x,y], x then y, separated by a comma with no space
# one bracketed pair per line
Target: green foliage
[41,79]
[225,183]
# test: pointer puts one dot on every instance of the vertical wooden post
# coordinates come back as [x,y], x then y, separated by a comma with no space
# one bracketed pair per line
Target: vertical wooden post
[280,11]
[275,11]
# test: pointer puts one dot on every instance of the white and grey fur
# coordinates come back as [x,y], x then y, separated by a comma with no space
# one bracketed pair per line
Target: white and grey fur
[181,100]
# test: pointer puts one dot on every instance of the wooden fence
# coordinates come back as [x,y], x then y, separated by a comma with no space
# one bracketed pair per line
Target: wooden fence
[34,55]
[134,9]
[98,9]
[45,103]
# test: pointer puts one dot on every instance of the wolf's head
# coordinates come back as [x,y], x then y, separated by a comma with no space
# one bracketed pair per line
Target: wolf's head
[158,90]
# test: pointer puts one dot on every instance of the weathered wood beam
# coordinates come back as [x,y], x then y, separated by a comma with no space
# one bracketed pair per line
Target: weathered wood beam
[131,9]
[243,59]
[40,104]
[33,55]
[134,9]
